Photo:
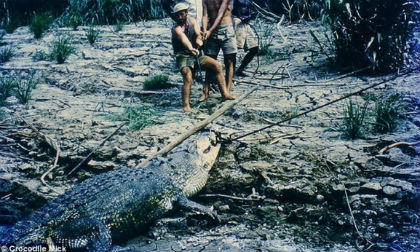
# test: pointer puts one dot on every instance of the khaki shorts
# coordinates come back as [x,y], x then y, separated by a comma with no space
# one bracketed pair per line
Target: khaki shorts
[184,59]
[246,36]
[222,38]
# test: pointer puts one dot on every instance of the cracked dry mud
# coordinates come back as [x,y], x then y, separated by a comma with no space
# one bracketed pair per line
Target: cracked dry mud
[287,184]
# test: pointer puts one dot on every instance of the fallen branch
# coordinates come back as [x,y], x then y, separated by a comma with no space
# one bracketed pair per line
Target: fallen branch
[266,14]
[195,128]
[50,170]
[79,165]
[339,77]
[381,152]
[278,138]
[209,195]
[45,138]
[262,85]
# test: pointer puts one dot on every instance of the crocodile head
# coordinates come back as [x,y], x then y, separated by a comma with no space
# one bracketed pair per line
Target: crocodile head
[200,156]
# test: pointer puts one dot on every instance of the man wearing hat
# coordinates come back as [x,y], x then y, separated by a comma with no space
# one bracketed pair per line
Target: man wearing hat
[186,39]
[195,9]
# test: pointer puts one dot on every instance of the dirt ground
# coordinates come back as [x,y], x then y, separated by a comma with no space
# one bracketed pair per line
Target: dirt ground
[299,186]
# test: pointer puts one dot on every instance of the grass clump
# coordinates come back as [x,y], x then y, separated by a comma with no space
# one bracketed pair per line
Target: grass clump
[40,55]
[138,117]
[39,24]
[119,25]
[61,49]
[6,53]
[7,85]
[156,82]
[24,87]
[354,119]
[372,33]
[387,113]
[92,34]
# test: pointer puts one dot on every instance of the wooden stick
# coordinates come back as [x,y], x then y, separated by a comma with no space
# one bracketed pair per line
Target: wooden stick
[339,77]
[230,197]
[50,170]
[395,145]
[271,16]
[79,165]
[196,128]
[52,143]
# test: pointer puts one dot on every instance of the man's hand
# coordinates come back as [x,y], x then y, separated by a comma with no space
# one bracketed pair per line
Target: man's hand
[199,42]
[206,35]
[194,51]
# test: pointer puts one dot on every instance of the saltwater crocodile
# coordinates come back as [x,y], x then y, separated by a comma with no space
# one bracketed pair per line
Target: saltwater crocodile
[115,204]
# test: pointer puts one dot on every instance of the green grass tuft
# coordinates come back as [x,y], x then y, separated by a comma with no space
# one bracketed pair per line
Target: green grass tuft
[92,34]
[6,53]
[24,87]
[387,112]
[156,82]
[354,119]
[138,117]
[7,85]
[39,24]
[61,49]
[40,55]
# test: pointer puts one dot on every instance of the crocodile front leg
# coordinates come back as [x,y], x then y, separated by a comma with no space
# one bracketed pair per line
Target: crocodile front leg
[84,233]
[189,205]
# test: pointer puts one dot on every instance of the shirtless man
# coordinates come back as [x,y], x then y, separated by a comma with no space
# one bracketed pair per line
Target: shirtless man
[186,38]
[219,34]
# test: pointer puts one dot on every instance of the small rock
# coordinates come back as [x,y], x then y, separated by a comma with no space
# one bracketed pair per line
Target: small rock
[319,197]
[391,190]
[372,186]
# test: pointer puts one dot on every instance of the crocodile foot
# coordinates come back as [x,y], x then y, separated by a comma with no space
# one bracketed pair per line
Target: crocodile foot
[195,207]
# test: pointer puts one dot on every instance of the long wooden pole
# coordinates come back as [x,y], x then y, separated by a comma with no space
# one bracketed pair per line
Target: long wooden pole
[197,127]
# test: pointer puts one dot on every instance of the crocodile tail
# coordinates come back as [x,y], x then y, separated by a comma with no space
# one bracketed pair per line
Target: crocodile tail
[5,236]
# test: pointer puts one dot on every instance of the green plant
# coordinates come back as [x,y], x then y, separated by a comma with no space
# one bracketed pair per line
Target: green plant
[24,87]
[354,119]
[6,53]
[160,81]
[74,21]
[40,55]
[39,24]
[92,34]
[372,33]
[266,40]
[138,117]
[387,112]
[7,85]
[61,49]
[119,26]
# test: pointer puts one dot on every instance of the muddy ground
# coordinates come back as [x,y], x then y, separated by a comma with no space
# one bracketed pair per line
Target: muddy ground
[300,186]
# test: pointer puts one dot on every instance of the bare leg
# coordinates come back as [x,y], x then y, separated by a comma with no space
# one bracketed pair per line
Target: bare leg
[186,89]
[216,67]
[247,59]
[208,79]
[230,69]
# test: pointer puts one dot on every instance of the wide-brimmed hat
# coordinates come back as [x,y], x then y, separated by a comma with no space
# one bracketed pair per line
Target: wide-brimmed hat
[180,7]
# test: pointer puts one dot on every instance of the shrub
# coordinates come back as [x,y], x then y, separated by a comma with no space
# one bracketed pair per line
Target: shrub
[61,49]
[39,24]
[387,112]
[6,53]
[354,117]
[109,11]
[7,85]
[24,87]
[265,38]
[75,21]
[157,82]
[92,34]
[372,32]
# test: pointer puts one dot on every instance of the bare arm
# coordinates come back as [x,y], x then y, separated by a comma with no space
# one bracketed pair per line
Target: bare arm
[198,38]
[205,17]
[179,34]
[220,14]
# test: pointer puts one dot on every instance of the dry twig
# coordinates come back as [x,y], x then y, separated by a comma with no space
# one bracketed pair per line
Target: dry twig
[386,148]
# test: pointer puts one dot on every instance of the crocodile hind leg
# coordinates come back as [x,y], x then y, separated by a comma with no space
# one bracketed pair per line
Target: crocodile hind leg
[84,233]
[192,206]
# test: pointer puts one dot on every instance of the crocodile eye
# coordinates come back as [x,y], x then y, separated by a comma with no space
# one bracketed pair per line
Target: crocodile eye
[207,150]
